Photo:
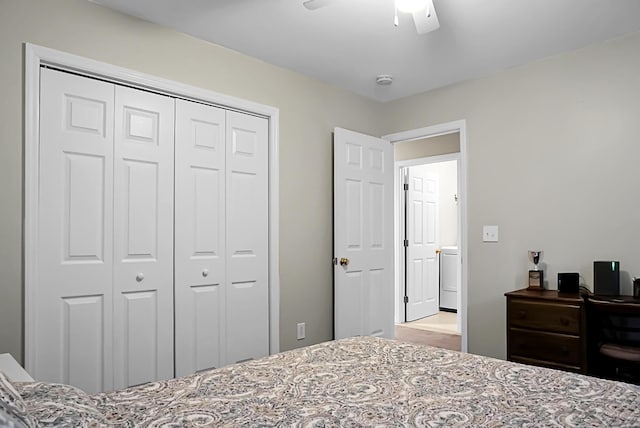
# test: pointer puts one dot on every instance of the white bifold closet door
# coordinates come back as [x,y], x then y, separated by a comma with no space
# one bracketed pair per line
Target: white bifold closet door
[143,237]
[104,299]
[73,300]
[221,237]
[247,204]
[200,254]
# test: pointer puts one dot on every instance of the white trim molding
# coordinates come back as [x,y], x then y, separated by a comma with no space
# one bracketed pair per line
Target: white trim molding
[37,56]
[459,126]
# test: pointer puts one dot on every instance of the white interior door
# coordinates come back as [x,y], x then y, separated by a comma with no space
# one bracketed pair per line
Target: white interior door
[247,246]
[73,299]
[422,270]
[363,235]
[143,237]
[200,254]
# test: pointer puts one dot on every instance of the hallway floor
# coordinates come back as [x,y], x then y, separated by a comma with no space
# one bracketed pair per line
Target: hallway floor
[442,322]
[439,330]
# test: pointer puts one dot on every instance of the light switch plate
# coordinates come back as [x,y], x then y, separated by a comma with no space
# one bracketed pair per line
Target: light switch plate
[490,233]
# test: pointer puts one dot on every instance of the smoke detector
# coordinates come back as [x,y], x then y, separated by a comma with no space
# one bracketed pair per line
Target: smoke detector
[384,79]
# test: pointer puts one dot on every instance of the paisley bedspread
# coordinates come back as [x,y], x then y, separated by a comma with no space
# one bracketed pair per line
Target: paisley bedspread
[367,381]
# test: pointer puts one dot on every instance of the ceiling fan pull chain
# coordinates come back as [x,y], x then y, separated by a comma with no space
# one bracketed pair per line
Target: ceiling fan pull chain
[395,18]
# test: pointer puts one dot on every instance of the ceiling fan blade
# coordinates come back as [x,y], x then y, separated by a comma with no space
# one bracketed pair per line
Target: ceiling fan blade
[316,4]
[426,21]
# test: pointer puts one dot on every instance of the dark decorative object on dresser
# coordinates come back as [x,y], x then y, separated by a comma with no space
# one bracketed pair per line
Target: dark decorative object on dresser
[606,278]
[546,328]
[568,282]
[536,276]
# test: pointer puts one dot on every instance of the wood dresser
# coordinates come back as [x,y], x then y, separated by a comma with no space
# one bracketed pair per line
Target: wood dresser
[547,328]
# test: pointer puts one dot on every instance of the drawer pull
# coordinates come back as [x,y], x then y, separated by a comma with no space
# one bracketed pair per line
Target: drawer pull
[564,321]
[564,350]
[522,314]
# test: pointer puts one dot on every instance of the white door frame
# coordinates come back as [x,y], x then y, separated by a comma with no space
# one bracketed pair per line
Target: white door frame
[433,131]
[37,56]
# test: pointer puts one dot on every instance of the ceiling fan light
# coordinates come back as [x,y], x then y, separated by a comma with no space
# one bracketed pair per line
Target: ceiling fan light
[411,6]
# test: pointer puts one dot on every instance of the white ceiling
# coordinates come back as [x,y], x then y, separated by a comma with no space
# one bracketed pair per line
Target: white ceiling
[350,42]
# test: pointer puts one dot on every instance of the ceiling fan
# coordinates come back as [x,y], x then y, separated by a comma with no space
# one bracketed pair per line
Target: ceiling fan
[424,14]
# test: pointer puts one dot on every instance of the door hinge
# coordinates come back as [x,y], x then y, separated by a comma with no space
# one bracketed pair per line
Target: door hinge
[406,299]
[405,243]
[405,186]
[335,261]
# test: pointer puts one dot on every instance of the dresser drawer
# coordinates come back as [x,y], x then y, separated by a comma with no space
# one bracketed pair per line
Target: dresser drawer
[553,317]
[538,345]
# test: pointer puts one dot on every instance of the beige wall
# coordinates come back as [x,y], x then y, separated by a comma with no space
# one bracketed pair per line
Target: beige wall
[425,147]
[553,149]
[309,110]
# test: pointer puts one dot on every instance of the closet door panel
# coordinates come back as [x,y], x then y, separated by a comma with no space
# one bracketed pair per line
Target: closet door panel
[140,337]
[207,302]
[143,237]
[247,237]
[247,321]
[83,340]
[73,298]
[200,262]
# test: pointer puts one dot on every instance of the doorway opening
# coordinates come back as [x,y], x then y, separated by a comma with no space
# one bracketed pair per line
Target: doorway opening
[430,228]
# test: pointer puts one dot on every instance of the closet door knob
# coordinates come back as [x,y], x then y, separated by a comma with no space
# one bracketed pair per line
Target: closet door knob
[205,272]
[139,277]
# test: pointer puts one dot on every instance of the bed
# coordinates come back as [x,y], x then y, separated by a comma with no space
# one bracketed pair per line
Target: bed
[362,381]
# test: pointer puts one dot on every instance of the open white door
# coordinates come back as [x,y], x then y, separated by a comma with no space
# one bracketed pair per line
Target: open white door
[363,235]
[422,270]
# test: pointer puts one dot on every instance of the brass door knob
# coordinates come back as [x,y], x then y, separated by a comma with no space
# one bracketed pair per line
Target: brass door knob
[344,261]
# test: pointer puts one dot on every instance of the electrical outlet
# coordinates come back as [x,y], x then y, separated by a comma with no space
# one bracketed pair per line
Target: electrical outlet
[301,330]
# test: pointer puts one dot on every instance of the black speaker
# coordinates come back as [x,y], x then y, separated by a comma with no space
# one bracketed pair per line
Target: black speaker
[568,282]
[606,278]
